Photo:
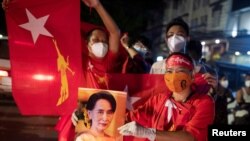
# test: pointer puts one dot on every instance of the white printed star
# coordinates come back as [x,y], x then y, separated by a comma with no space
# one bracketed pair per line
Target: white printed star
[90,66]
[130,100]
[36,26]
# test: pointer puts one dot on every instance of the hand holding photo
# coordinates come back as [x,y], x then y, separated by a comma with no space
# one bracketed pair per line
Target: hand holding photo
[99,114]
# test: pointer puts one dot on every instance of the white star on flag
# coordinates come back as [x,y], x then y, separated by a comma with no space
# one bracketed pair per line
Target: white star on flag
[170,106]
[36,26]
[130,100]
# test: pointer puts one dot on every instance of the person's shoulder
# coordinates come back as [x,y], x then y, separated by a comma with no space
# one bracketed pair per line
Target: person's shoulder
[111,54]
[160,96]
[202,98]
[210,69]
[158,67]
[229,90]
[240,90]
[166,94]
[159,63]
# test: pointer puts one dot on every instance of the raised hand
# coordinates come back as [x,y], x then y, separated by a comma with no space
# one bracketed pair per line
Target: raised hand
[91,3]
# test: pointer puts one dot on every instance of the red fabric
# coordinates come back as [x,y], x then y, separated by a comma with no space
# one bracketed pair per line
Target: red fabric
[124,66]
[138,85]
[65,129]
[151,84]
[39,69]
[201,84]
[204,113]
[96,71]
[195,115]
[95,75]
[142,86]
[178,60]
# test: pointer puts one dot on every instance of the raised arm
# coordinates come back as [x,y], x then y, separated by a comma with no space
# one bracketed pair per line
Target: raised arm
[124,42]
[5,4]
[114,31]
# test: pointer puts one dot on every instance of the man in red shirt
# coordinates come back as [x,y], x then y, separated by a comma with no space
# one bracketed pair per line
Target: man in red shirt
[180,114]
[102,49]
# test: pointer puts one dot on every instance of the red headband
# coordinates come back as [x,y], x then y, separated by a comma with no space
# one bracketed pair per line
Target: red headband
[178,60]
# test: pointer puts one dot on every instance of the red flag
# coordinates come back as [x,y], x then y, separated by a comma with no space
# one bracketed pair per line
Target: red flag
[45,54]
[139,86]
[65,128]
[201,84]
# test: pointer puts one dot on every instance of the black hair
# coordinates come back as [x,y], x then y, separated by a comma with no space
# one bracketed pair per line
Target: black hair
[178,21]
[183,55]
[88,34]
[101,95]
[143,39]
[247,73]
[79,113]
[221,75]
[194,49]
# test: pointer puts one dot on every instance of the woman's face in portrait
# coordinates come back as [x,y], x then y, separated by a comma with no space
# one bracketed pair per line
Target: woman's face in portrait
[101,115]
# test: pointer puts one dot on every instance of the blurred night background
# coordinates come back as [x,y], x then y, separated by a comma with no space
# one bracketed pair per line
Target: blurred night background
[222,27]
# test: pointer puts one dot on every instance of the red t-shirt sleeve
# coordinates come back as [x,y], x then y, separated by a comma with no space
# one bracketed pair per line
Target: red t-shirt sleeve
[111,62]
[202,118]
[145,114]
[142,114]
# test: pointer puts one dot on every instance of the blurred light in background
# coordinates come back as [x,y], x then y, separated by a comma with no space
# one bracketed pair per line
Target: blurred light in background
[3,73]
[203,43]
[43,77]
[234,33]
[217,41]
[237,53]
[159,58]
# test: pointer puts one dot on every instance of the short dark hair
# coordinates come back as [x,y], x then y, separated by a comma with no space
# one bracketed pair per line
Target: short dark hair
[221,74]
[194,49]
[101,95]
[178,21]
[88,34]
[143,39]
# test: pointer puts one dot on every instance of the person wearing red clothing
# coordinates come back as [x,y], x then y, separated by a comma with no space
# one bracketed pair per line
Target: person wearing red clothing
[99,52]
[180,114]
[102,48]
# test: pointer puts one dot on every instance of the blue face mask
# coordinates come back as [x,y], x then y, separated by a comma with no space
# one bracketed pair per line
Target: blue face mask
[141,50]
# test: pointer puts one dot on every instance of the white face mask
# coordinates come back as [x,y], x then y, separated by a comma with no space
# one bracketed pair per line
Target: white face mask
[247,83]
[99,49]
[140,50]
[176,43]
[224,83]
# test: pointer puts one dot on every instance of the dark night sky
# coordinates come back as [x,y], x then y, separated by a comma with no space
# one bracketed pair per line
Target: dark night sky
[130,15]
[2,23]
